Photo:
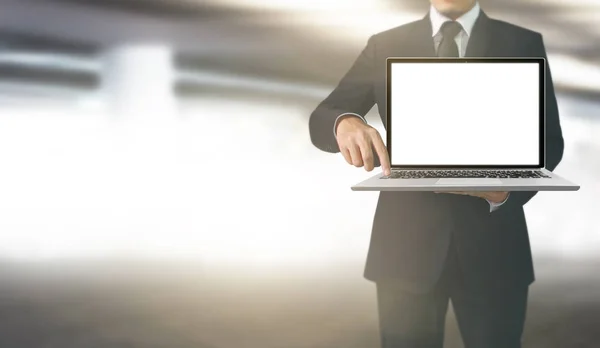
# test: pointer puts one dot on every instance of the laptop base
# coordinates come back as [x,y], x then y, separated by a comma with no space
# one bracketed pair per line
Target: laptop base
[553,183]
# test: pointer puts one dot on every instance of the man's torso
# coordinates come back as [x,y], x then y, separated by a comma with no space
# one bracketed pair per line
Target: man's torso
[412,230]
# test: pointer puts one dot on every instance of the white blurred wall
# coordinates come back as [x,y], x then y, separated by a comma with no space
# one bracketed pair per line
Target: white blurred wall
[224,180]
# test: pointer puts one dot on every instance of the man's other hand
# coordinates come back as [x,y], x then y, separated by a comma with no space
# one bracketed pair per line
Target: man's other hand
[494,197]
[357,140]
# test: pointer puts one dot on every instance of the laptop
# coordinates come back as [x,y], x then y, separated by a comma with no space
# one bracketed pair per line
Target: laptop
[466,124]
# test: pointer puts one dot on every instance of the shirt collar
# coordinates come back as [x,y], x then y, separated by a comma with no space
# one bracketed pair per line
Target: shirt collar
[467,20]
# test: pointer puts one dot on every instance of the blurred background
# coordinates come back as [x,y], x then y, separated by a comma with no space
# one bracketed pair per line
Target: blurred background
[159,187]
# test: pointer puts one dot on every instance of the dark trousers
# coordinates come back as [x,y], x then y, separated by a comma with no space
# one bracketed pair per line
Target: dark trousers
[417,320]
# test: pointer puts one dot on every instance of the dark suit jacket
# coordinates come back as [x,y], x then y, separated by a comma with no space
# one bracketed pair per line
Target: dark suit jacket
[412,230]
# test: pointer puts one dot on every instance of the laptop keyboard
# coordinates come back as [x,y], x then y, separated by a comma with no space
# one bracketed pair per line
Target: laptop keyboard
[440,173]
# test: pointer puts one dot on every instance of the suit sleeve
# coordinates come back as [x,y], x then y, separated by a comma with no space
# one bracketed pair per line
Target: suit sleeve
[354,94]
[554,137]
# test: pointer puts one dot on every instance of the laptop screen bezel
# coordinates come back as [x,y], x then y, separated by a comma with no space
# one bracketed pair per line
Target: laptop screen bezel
[541,61]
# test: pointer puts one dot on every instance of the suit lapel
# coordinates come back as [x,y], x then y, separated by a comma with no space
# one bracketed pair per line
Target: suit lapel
[479,42]
[421,40]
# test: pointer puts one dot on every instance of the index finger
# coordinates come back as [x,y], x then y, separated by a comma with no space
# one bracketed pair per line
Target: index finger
[382,154]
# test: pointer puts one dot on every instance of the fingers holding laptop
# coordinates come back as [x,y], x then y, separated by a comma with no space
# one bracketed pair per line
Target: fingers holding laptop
[357,140]
[492,196]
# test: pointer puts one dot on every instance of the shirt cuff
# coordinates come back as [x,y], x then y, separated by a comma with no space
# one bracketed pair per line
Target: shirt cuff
[495,206]
[342,115]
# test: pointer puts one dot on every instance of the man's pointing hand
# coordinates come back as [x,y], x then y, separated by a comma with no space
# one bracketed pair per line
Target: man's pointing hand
[357,140]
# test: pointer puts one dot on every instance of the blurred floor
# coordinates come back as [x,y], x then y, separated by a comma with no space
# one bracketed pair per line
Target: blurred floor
[146,306]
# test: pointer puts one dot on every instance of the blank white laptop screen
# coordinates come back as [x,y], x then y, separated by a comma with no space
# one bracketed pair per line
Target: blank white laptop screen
[464,114]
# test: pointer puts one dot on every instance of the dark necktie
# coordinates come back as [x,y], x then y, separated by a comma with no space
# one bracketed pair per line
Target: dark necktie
[448,46]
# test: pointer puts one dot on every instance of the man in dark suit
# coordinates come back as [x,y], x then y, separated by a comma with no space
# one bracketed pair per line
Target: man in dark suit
[428,248]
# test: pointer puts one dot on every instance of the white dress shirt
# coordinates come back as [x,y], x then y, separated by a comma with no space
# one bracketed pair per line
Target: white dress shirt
[467,21]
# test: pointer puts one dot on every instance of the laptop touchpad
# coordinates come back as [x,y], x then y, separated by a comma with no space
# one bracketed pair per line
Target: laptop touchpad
[468,181]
